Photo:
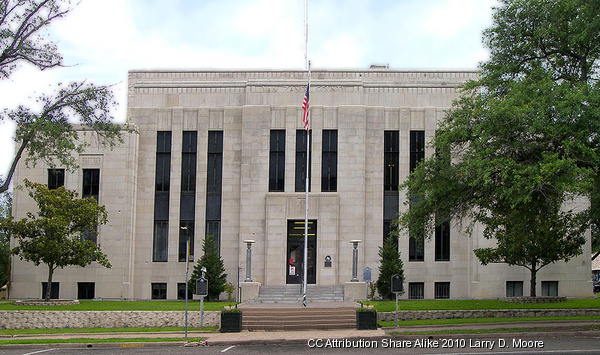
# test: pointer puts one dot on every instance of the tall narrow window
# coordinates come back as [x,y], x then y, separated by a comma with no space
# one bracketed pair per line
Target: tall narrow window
[56,178]
[391,205]
[277,161]
[301,151]
[442,241]
[329,161]
[391,145]
[416,243]
[214,186]
[417,148]
[160,240]
[91,189]
[91,183]
[187,209]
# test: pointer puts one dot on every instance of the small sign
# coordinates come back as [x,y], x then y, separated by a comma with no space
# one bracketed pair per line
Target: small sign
[328,261]
[397,284]
[202,287]
[292,270]
[367,274]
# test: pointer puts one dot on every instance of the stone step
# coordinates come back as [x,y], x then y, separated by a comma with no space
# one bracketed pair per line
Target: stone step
[271,319]
[293,294]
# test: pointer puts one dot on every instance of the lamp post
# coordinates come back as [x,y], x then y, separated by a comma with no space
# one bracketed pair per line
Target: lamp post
[249,243]
[355,260]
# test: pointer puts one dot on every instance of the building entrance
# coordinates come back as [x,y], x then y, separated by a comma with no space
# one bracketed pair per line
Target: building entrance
[295,252]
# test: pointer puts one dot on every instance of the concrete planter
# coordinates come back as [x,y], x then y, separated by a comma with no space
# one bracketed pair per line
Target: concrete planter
[366,320]
[231,322]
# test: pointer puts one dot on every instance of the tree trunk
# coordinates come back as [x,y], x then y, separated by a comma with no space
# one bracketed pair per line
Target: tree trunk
[49,287]
[533,281]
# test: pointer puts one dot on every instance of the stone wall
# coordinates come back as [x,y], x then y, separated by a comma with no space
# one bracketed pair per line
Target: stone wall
[98,319]
[500,313]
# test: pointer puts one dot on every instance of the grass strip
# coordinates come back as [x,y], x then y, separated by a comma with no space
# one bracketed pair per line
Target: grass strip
[493,330]
[96,341]
[10,332]
[409,323]
[489,304]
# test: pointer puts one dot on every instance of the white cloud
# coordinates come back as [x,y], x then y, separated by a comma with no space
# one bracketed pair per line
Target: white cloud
[106,38]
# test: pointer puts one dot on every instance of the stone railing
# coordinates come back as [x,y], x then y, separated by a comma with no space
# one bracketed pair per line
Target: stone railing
[500,313]
[104,319]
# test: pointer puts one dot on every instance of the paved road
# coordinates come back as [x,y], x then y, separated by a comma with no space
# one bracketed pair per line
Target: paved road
[575,343]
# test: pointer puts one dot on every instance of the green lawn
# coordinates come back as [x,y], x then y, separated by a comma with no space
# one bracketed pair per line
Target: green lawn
[90,305]
[410,323]
[430,305]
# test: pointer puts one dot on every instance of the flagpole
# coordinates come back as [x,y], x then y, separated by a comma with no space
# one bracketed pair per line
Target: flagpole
[305,261]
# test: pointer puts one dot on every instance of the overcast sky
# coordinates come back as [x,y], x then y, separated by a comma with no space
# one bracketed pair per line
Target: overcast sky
[102,39]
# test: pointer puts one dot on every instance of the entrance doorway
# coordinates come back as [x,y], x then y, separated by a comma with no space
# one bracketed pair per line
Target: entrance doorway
[295,252]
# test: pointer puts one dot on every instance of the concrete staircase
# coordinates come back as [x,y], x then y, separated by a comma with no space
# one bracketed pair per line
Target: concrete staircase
[280,308]
[293,294]
[277,319]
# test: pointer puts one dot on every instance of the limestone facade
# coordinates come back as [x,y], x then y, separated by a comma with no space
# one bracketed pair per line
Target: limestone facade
[246,106]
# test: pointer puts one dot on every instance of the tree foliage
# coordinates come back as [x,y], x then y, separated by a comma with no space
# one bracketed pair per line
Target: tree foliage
[215,269]
[390,264]
[54,235]
[46,132]
[520,148]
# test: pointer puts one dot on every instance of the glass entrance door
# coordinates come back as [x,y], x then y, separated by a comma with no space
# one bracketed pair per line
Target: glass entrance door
[295,252]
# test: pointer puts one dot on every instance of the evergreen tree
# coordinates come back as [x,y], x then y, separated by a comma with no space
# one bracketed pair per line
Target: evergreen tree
[390,264]
[215,269]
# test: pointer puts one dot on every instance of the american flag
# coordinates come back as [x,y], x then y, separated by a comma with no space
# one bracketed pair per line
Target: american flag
[305,108]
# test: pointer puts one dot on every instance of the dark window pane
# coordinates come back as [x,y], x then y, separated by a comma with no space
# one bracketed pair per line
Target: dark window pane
[442,242]
[417,148]
[277,161]
[442,290]
[160,241]
[56,178]
[213,228]
[550,288]
[416,290]
[514,288]
[214,173]
[163,171]
[54,290]
[391,160]
[161,206]
[163,142]
[190,142]
[215,142]
[416,249]
[390,231]
[329,161]
[188,172]
[86,290]
[159,291]
[91,183]
[181,291]
[301,151]
[187,206]
[186,230]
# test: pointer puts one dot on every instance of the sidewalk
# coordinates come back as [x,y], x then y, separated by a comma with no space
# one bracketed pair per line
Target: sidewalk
[262,337]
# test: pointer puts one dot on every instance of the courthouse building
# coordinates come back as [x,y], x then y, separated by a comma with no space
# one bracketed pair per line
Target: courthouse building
[223,153]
